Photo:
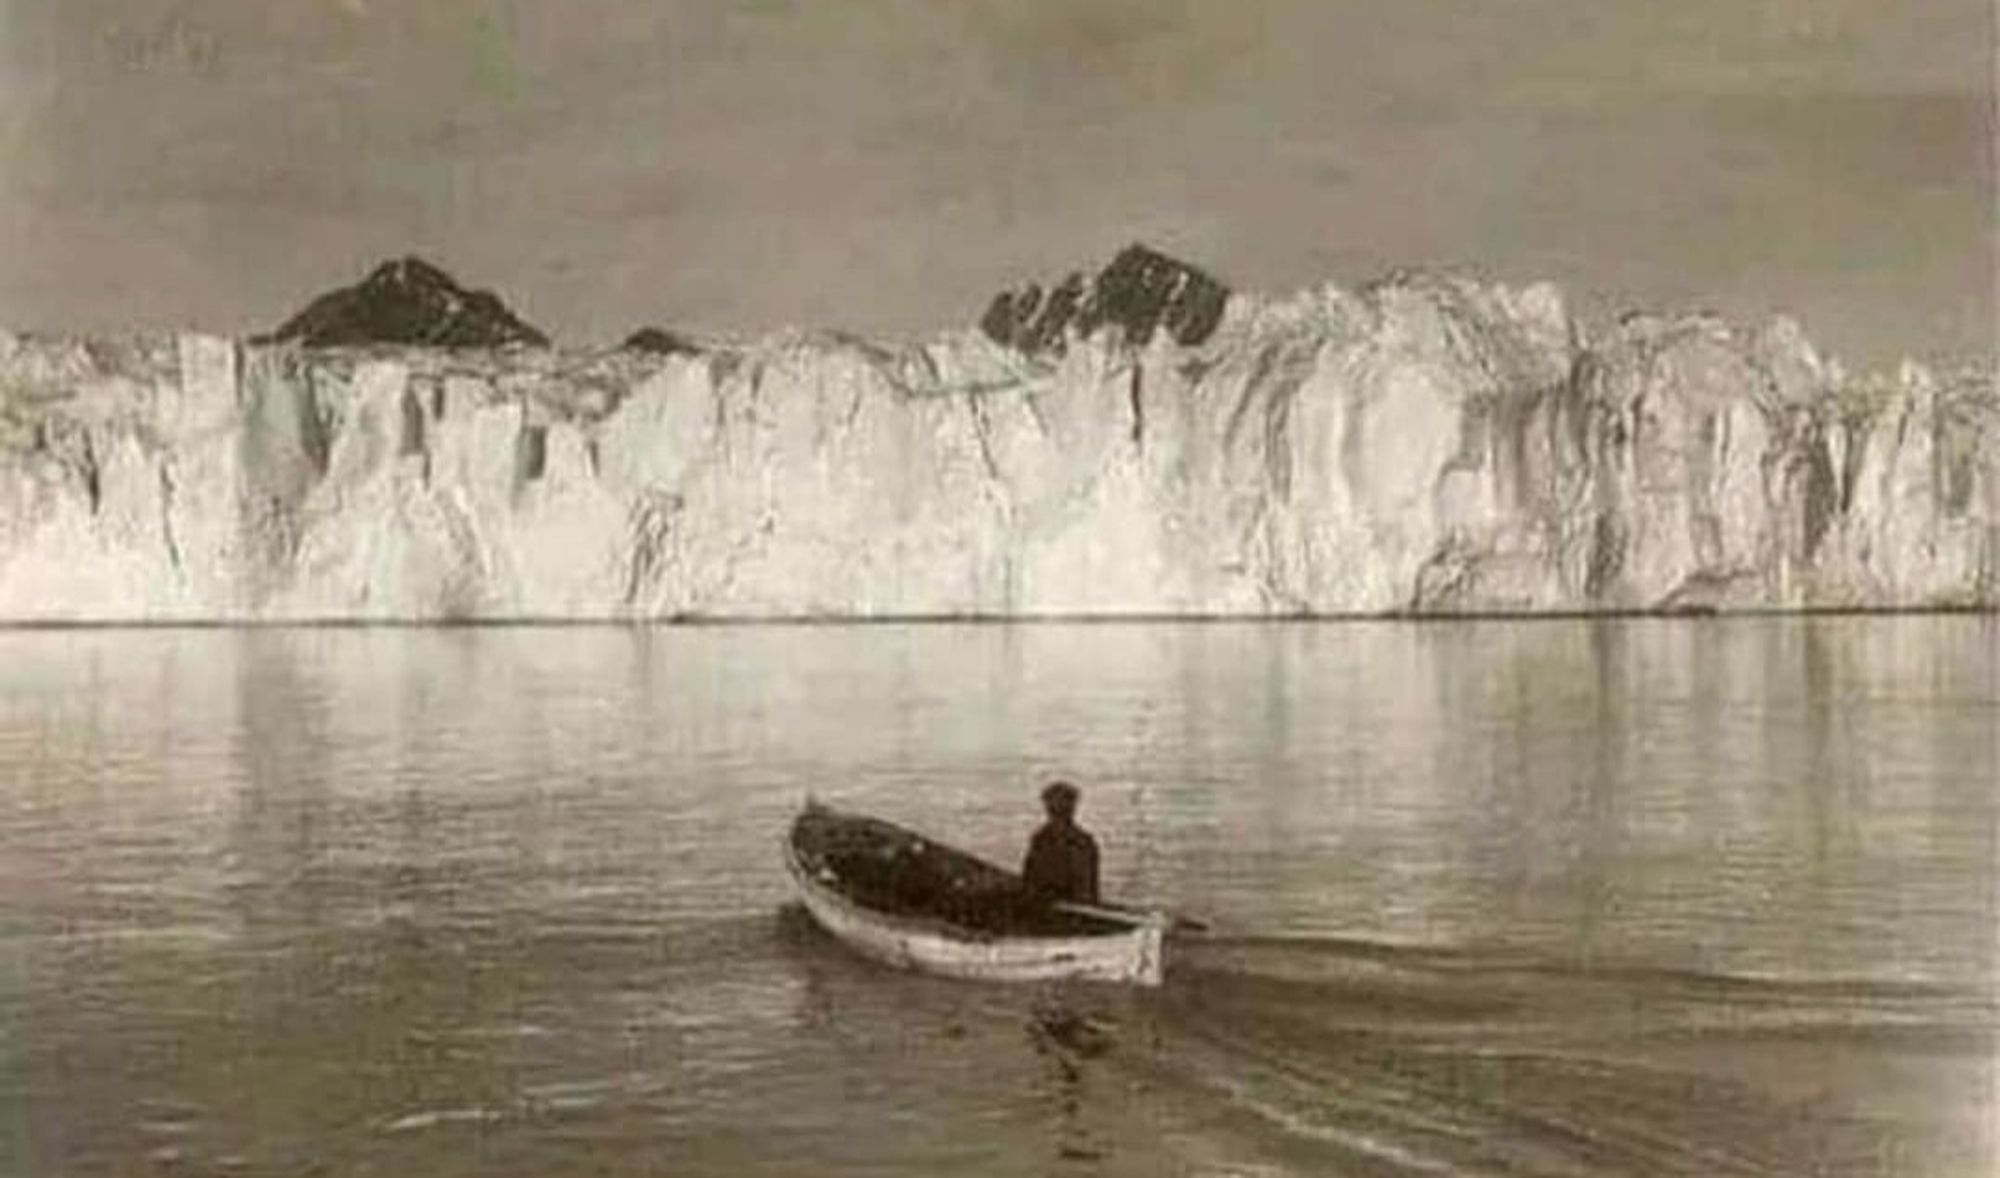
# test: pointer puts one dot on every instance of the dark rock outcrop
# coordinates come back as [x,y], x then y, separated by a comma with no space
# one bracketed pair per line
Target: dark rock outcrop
[660,342]
[1139,293]
[407,301]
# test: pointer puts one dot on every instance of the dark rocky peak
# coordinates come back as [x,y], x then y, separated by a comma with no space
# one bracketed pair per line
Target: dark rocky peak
[407,301]
[1139,293]
[660,342]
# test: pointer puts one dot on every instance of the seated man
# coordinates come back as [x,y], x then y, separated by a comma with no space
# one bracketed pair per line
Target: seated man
[1062,857]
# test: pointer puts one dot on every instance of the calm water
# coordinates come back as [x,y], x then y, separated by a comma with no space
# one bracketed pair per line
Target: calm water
[1636,897]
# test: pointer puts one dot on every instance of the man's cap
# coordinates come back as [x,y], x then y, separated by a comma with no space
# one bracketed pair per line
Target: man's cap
[1059,791]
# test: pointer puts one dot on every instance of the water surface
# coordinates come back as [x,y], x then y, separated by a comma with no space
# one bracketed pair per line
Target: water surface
[1704,896]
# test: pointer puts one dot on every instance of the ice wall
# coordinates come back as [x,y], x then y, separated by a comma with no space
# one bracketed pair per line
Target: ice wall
[1422,445]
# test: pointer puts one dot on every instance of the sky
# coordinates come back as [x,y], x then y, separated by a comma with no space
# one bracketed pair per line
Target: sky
[884,166]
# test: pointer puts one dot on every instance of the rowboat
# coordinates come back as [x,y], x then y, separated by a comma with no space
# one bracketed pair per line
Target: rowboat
[897,897]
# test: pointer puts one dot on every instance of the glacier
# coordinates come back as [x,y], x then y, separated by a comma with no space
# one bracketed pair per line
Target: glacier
[1426,444]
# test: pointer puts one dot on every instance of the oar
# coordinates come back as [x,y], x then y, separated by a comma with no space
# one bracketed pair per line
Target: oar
[1175,922]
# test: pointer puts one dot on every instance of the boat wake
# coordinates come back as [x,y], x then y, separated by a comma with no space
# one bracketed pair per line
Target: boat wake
[1392,1058]
[1283,1055]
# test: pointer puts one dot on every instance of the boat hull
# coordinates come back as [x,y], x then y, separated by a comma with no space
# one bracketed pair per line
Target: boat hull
[1133,955]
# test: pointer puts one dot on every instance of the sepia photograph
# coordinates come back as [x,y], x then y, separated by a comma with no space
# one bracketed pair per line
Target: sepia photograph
[1074,588]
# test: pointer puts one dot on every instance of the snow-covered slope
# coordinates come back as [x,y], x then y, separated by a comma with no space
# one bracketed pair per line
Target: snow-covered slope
[1425,444]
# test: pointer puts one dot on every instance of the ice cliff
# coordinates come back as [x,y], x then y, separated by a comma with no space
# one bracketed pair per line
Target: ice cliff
[1159,446]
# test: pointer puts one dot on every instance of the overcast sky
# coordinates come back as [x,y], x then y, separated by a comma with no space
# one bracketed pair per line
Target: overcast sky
[884,165]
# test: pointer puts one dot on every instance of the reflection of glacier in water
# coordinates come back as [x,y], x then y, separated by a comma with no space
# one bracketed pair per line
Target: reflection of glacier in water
[1553,897]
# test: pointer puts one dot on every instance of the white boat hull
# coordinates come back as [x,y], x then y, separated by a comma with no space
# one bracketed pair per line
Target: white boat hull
[1134,957]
